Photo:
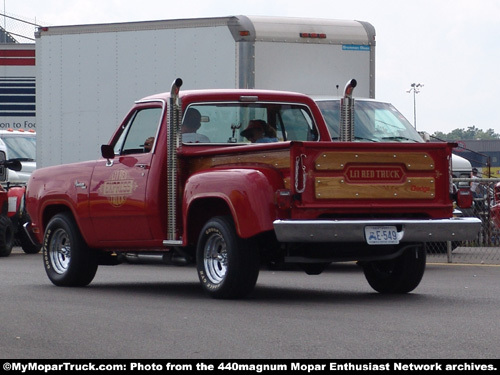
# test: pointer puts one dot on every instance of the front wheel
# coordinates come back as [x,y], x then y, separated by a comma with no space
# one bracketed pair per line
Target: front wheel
[228,266]
[399,275]
[67,259]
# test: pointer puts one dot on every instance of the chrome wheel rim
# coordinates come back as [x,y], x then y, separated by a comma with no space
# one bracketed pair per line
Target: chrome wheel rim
[215,258]
[60,251]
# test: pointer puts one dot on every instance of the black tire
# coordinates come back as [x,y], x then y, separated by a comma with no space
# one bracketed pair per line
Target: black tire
[399,275]
[6,236]
[228,266]
[67,259]
[26,244]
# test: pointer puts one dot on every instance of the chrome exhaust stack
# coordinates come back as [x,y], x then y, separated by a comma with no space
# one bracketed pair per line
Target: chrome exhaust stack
[347,113]
[174,126]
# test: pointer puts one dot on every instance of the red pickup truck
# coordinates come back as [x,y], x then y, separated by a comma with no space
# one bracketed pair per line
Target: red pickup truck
[232,179]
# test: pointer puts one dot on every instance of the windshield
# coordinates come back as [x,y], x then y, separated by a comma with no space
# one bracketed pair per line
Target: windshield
[373,122]
[20,147]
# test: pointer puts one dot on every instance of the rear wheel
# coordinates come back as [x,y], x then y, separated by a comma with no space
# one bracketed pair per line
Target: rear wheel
[6,236]
[67,259]
[399,275]
[228,266]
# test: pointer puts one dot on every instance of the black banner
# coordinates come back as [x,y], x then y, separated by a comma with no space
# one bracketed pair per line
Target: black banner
[298,366]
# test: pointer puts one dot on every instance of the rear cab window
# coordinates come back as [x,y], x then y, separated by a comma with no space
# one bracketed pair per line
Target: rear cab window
[229,122]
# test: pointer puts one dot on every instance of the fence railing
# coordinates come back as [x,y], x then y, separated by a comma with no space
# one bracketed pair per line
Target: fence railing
[20,30]
[485,248]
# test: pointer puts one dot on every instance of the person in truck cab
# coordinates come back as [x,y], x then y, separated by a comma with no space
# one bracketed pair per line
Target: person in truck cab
[258,131]
[148,144]
[190,125]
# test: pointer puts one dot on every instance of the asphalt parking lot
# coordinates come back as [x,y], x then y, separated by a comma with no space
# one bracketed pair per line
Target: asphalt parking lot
[151,310]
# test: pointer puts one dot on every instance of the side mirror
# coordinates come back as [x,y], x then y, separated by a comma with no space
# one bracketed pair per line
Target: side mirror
[14,164]
[107,152]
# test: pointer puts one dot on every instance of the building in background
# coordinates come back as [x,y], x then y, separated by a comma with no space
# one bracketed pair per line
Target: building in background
[17,86]
[483,154]
[17,74]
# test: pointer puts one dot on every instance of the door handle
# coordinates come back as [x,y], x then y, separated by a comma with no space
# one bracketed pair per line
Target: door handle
[142,166]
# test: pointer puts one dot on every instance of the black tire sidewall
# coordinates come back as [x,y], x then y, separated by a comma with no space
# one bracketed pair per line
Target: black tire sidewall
[242,262]
[26,244]
[216,226]
[406,272]
[6,236]
[82,266]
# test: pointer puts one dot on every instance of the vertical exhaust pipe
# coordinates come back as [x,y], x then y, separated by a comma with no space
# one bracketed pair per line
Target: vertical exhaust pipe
[347,113]
[173,134]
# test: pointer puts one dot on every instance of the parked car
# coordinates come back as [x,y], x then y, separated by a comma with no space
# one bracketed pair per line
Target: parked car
[17,162]
[21,145]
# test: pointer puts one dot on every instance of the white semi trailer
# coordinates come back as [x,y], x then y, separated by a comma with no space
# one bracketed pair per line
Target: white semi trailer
[88,74]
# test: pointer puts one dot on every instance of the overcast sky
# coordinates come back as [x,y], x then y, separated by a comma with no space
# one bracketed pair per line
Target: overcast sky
[450,46]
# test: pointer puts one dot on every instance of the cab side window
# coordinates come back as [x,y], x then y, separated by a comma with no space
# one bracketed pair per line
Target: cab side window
[139,134]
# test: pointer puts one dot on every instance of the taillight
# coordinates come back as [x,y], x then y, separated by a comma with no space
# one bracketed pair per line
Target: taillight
[464,197]
[313,35]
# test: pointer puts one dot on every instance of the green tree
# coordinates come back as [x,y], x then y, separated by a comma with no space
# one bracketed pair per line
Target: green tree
[467,134]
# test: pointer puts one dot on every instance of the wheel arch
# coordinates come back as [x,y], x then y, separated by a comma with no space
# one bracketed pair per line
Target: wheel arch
[247,195]
[199,212]
[51,210]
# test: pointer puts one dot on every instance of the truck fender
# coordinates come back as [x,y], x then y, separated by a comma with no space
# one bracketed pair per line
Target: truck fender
[247,193]
[56,189]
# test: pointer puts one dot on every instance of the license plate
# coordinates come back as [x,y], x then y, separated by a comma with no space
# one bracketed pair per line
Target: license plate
[381,235]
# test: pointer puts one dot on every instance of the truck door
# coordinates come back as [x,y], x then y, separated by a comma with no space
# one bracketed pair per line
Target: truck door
[118,205]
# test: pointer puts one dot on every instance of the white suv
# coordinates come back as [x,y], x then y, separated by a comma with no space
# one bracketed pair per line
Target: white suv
[20,145]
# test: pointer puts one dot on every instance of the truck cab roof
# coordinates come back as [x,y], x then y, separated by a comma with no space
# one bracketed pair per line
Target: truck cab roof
[247,95]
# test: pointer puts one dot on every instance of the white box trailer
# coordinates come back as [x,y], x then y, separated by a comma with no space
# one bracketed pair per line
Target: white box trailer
[89,75]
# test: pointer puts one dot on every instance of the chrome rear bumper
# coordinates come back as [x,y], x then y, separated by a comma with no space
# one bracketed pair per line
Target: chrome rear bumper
[432,230]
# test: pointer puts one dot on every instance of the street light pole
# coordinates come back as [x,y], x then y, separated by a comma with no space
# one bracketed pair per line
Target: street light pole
[415,87]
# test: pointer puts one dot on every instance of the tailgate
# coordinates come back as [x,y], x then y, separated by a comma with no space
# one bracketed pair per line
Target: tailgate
[371,180]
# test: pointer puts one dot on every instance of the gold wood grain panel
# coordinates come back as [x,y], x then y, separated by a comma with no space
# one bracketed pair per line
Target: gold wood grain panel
[274,159]
[286,182]
[338,188]
[420,161]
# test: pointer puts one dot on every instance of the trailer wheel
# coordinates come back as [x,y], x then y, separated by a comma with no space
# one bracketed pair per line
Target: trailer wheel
[228,266]
[6,236]
[67,259]
[399,275]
